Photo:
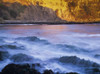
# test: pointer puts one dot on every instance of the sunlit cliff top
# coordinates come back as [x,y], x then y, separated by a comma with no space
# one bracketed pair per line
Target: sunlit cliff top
[69,10]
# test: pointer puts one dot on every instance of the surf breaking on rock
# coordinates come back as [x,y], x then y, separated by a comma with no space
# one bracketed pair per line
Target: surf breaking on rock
[53,58]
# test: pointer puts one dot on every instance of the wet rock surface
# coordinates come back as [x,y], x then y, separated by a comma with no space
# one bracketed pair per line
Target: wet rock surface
[30,69]
[48,72]
[4,55]
[33,39]
[9,46]
[89,66]
[19,69]
[97,56]
[93,71]
[12,47]
[72,73]
[77,61]
[27,69]
[21,58]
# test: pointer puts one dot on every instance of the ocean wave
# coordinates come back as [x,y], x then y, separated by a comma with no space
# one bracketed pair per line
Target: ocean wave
[33,49]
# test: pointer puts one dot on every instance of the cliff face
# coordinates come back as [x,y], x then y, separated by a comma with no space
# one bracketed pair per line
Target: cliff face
[39,14]
[10,11]
[69,10]
[30,13]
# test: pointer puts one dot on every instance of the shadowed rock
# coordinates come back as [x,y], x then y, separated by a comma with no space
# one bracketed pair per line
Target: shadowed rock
[72,73]
[4,55]
[48,72]
[93,71]
[97,56]
[78,62]
[21,58]
[33,39]
[27,69]
[19,69]
[10,46]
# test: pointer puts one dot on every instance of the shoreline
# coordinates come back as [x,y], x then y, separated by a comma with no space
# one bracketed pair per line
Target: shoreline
[49,23]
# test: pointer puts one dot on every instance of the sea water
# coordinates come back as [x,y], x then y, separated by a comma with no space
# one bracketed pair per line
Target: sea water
[61,48]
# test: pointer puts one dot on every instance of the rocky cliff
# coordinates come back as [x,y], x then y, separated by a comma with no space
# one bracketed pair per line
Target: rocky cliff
[69,10]
[39,14]
[30,13]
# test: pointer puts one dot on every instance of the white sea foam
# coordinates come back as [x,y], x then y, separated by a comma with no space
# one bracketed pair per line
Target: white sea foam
[84,46]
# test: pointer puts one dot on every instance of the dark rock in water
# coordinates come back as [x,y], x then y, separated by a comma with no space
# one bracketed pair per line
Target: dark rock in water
[93,71]
[21,58]
[1,47]
[97,56]
[26,69]
[4,55]
[48,72]
[96,70]
[33,39]
[72,73]
[95,65]
[30,69]
[12,47]
[81,63]
[65,46]
[77,61]
[36,65]
[19,69]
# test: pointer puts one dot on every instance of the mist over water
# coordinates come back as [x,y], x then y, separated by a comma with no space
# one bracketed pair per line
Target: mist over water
[61,48]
